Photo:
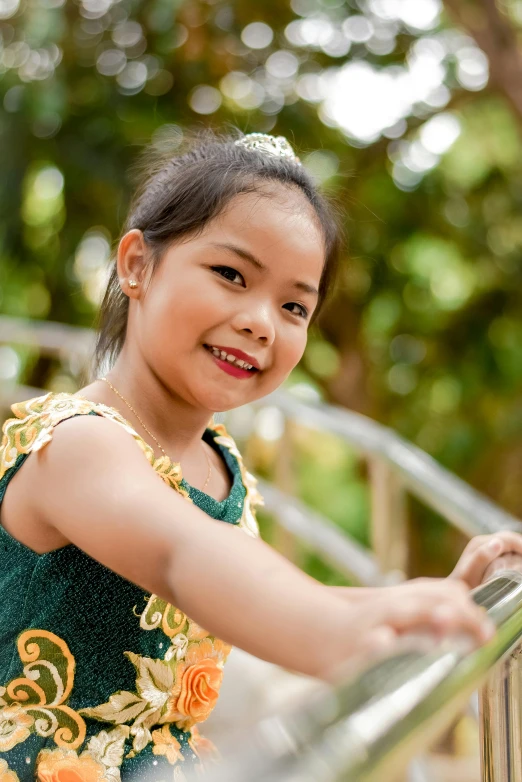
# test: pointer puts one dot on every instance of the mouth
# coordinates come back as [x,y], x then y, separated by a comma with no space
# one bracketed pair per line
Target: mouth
[230,363]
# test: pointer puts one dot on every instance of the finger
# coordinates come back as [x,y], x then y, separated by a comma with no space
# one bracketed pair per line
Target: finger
[474,568]
[508,561]
[448,619]
[444,618]
[472,565]
[497,543]
[455,589]
[439,587]
[474,543]
[381,640]
[512,541]
[458,588]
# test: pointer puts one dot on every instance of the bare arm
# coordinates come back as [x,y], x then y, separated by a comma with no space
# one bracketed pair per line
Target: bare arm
[355,595]
[111,504]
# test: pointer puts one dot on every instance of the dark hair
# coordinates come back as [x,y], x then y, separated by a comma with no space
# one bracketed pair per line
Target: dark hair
[179,194]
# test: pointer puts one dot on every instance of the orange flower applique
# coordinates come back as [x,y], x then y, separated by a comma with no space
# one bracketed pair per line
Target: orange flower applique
[198,681]
[166,744]
[199,691]
[208,649]
[6,775]
[65,766]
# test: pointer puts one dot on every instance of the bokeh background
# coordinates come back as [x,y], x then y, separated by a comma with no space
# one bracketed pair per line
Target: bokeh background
[408,112]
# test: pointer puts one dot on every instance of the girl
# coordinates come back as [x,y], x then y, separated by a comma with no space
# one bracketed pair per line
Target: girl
[122,593]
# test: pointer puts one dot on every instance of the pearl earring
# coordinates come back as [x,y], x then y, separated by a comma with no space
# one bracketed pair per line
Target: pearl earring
[133,284]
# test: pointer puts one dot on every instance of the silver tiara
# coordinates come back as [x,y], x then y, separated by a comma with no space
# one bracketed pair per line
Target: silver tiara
[277,146]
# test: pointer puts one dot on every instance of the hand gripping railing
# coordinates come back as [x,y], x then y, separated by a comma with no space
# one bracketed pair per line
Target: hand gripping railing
[367,728]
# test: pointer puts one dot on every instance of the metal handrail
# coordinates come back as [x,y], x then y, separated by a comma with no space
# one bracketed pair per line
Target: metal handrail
[323,536]
[440,489]
[52,339]
[367,728]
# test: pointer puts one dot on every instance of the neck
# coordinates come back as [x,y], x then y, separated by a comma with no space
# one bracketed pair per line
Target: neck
[177,425]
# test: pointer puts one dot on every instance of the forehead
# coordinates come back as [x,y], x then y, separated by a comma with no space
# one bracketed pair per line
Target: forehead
[278,223]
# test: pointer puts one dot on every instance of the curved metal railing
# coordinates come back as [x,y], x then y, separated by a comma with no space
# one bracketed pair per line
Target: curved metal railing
[395,468]
[418,473]
[367,728]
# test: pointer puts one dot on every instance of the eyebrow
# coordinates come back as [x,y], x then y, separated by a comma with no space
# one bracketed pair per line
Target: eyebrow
[247,256]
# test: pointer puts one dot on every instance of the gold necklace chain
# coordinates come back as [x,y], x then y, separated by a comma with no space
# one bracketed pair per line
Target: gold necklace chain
[155,438]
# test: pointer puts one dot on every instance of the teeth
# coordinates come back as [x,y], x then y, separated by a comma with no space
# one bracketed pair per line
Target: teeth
[230,358]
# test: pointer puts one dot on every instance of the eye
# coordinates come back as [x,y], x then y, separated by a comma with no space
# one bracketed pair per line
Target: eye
[228,273]
[301,311]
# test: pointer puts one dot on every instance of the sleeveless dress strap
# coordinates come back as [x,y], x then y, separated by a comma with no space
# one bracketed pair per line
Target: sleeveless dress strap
[33,425]
[253,497]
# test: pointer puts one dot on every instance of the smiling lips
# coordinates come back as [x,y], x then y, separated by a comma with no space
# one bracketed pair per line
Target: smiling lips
[234,362]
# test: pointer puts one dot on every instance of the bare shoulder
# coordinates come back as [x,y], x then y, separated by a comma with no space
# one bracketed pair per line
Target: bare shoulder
[89,451]
[84,454]
[91,485]
[88,435]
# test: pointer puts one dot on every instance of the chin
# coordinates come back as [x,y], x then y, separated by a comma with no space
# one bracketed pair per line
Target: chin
[223,402]
[221,405]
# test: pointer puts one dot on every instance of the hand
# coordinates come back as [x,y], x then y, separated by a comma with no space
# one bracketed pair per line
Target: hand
[440,606]
[481,551]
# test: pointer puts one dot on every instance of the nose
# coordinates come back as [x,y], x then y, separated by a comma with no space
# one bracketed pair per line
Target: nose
[256,321]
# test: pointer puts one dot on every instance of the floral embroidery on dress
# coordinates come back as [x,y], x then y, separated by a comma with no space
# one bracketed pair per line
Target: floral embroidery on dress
[174,623]
[15,725]
[178,691]
[182,692]
[55,765]
[181,689]
[6,775]
[198,680]
[166,744]
[36,702]
[205,749]
[32,426]
[99,762]
[32,429]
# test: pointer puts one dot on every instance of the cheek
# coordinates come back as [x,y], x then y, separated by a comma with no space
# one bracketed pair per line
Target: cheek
[292,347]
[179,307]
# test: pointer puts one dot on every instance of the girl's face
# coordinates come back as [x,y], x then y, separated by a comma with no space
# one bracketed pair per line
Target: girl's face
[244,290]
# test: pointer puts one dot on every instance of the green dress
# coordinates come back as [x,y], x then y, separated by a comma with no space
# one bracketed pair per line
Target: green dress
[100,681]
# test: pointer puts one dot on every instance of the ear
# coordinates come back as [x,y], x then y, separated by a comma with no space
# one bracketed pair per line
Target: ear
[132,262]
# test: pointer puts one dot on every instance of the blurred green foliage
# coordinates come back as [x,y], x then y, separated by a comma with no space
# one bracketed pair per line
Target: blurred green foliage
[389,106]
